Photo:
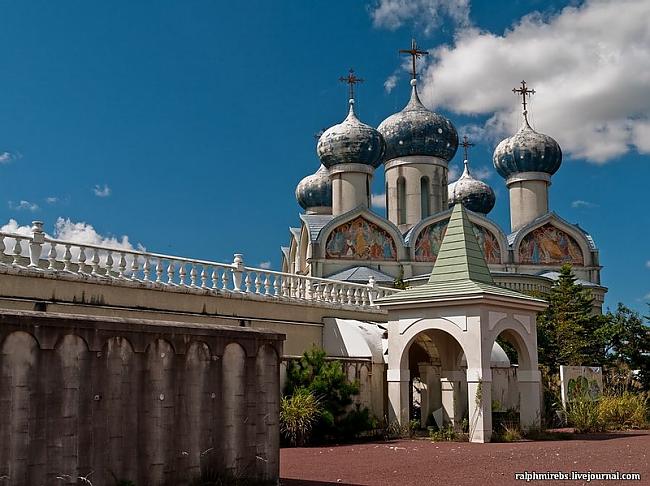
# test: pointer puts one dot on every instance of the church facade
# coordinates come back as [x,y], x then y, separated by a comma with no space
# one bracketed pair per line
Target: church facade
[340,237]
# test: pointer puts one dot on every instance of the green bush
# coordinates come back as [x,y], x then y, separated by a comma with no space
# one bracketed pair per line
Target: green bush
[626,411]
[298,414]
[583,415]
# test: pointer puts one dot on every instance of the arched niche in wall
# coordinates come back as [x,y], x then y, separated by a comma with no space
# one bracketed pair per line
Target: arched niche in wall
[360,239]
[428,241]
[549,245]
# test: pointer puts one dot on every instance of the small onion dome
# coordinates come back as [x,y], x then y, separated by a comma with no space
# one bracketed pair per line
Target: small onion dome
[527,151]
[475,195]
[418,131]
[351,142]
[315,191]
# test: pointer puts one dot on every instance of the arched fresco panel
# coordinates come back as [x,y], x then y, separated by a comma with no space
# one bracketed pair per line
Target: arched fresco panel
[360,239]
[549,245]
[430,238]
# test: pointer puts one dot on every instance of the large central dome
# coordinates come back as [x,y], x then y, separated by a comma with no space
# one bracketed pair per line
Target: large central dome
[418,131]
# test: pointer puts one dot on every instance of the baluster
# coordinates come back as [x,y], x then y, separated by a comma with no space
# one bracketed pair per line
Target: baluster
[247,282]
[36,245]
[182,275]
[215,278]
[357,300]
[364,297]
[95,262]
[285,287]
[277,286]
[204,277]
[146,269]
[237,269]
[258,283]
[193,275]
[159,270]
[109,264]
[299,288]
[170,273]
[349,296]
[267,284]
[18,249]
[81,261]
[293,286]
[135,267]
[121,266]
[224,280]
[67,259]
[51,257]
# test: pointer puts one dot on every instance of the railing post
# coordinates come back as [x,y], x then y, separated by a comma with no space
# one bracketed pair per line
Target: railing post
[36,245]
[372,290]
[238,269]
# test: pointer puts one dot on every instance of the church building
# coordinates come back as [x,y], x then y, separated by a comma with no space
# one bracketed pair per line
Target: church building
[340,237]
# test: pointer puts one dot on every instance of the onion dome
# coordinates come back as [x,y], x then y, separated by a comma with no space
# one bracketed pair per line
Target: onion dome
[475,195]
[315,191]
[351,142]
[527,151]
[418,131]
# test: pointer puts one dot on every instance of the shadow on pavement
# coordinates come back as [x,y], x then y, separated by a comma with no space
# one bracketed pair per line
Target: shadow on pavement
[304,482]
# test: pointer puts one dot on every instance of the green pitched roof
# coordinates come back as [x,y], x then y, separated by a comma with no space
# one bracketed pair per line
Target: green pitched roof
[460,268]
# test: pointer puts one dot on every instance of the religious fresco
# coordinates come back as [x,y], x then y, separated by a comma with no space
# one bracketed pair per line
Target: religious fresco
[549,245]
[430,238]
[360,239]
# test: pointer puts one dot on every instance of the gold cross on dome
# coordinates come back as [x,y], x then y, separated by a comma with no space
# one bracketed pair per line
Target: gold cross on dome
[523,91]
[415,53]
[351,79]
[466,144]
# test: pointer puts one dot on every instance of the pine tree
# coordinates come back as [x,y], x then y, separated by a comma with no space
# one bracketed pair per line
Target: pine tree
[567,332]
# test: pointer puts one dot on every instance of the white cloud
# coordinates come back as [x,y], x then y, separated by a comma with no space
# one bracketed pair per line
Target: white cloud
[390,83]
[453,173]
[425,15]
[378,200]
[102,191]
[265,265]
[579,203]
[647,264]
[51,200]
[24,206]
[482,173]
[7,157]
[589,64]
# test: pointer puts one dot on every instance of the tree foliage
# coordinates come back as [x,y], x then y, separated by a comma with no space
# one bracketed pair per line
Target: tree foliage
[326,380]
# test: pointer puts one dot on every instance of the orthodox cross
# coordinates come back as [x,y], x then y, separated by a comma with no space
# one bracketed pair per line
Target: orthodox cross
[466,144]
[415,53]
[351,79]
[523,91]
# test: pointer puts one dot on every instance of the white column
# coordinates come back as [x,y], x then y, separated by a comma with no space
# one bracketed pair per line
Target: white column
[431,400]
[450,395]
[398,395]
[530,398]
[479,397]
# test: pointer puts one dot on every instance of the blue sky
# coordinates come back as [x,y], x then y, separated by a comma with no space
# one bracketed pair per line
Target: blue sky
[187,125]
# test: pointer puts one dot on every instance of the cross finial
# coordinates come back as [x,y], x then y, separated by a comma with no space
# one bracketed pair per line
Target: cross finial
[466,144]
[351,79]
[415,53]
[523,91]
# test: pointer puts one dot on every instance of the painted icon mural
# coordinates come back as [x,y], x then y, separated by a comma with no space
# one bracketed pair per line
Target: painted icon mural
[548,244]
[360,239]
[430,238]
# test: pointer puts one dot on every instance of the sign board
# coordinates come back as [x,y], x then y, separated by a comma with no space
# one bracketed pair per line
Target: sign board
[578,381]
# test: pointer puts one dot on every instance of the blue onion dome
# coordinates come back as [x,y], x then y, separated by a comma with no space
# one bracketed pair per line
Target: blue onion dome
[475,195]
[351,142]
[315,191]
[418,131]
[527,151]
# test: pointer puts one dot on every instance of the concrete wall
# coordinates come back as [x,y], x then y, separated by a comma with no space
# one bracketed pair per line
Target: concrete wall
[154,402]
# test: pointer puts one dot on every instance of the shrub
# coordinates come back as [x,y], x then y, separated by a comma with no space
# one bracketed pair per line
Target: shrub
[582,414]
[298,413]
[626,411]
[510,434]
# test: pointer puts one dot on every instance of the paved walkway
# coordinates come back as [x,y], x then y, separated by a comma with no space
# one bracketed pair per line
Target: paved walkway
[421,462]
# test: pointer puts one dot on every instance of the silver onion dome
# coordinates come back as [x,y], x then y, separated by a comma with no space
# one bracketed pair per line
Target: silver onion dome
[475,195]
[527,151]
[314,192]
[351,142]
[418,131]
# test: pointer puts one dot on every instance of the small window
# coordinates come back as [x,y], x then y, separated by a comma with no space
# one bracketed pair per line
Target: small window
[401,200]
[425,197]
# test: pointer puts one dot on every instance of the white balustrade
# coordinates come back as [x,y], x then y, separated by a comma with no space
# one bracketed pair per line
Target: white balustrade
[51,256]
